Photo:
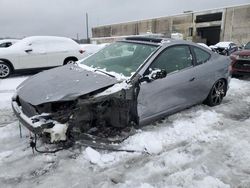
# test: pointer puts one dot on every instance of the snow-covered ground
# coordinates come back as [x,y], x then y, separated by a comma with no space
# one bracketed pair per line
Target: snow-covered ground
[200,147]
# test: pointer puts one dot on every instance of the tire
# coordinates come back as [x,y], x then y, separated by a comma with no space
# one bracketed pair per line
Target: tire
[5,70]
[217,93]
[69,61]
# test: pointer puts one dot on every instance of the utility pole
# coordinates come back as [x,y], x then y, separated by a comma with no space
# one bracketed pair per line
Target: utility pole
[87,27]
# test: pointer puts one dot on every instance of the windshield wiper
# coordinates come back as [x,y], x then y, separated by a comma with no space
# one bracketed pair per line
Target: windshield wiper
[105,73]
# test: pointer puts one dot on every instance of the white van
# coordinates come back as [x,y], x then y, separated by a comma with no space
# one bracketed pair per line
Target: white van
[40,52]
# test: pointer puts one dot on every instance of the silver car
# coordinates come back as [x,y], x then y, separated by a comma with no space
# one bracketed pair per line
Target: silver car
[129,83]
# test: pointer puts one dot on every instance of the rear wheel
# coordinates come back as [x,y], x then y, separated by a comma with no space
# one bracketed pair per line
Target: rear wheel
[70,61]
[5,70]
[217,93]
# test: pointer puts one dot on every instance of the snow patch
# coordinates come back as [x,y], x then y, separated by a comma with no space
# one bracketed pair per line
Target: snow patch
[118,76]
[92,155]
[223,44]
[97,158]
[107,158]
[11,84]
[57,132]
[5,100]
[145,185]
[153,146]
[115,88]
[191,129]
[7,90]
[5,154]
[189,179]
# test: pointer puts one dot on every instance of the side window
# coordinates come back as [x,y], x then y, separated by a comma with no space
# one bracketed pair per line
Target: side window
[3,45]
[8,44]
[173,59]
[201,56]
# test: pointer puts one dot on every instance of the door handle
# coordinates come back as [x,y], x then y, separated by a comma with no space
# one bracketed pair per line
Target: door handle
[192,79]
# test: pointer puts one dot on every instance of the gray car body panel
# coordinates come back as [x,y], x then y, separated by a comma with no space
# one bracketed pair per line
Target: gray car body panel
[181,89]
[62,84]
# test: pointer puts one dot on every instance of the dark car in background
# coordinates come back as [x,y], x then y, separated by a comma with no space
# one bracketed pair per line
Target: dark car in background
[128,83]
[241,61]
[224,48]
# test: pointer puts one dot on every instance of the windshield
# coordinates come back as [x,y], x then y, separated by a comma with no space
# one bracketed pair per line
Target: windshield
[247,47]
[120,57]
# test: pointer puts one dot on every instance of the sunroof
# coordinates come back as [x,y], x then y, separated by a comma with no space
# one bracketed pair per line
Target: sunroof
[146,39]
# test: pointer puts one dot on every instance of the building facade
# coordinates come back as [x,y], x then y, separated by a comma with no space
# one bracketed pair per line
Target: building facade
[210,27]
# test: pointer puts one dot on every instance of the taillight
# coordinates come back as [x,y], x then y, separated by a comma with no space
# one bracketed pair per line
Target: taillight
[81,51]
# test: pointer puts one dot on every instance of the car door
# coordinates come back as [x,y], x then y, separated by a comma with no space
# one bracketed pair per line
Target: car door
[33,55]
[57,52]
[204,73]
[175,91]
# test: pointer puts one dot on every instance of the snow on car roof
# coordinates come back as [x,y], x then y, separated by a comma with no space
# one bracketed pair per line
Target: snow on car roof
[28,40]
[223,44]
[204,45]
[47,38]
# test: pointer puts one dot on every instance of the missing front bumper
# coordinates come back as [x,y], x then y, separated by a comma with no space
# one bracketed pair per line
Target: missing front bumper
[41,124]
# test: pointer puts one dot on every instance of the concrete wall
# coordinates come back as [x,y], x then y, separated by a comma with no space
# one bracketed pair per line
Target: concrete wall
[166,26]
[235,25]
[103,31]
[123,29]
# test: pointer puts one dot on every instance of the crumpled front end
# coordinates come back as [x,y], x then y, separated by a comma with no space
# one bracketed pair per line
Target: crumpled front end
[103,114]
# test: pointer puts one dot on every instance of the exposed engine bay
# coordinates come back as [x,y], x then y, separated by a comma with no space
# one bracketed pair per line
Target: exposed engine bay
[103,116]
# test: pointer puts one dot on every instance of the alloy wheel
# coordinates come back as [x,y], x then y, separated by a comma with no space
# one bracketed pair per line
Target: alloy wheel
[218,92]
[4,70]
[70,62]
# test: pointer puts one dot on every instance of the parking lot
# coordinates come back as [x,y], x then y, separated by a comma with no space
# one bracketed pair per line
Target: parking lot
[199,147]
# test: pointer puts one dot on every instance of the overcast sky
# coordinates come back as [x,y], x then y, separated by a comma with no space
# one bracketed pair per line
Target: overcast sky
[19,18]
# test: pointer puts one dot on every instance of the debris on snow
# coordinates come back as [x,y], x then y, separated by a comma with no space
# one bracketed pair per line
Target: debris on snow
[57,132]
[96,158]
[92,155]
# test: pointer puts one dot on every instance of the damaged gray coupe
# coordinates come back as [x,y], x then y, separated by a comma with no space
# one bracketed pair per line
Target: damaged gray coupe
[129,83]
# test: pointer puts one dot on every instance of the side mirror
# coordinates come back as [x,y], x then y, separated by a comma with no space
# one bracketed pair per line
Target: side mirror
[28,50]
[158,74]
[154,75]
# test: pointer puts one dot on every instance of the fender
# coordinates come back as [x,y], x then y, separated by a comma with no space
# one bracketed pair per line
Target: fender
[7,61]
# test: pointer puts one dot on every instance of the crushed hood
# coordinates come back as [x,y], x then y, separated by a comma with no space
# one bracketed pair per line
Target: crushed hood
[62,84]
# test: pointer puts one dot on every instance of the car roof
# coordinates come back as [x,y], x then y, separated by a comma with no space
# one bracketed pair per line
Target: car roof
[147,40]
[159,41]
[223,44]
[53,38]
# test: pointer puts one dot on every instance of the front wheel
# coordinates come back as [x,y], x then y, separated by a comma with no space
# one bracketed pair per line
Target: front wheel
[5,70]
[217,93]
